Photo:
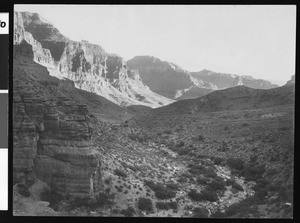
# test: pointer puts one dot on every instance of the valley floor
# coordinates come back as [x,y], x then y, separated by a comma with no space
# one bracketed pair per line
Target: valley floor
[162,166]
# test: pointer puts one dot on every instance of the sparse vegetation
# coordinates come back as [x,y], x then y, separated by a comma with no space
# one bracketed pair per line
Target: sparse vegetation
[129,212]
[120,173]
[206,195]
[161,191]
[235,163]
[145,204]
[200,212]
[166,205]
[234,184]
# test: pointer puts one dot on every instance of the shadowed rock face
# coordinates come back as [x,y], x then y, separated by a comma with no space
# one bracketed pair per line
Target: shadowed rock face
[88,65]
[51,133]
[173,82]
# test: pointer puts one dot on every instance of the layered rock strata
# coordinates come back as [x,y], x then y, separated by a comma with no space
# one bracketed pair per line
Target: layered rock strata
[51,133]
[88,65]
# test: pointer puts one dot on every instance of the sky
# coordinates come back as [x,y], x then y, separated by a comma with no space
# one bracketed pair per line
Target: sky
[237,39]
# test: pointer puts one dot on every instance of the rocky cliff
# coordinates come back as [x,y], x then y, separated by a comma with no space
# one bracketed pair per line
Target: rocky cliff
[51,133]
[173,82]
[168,79]
[88,65]
[223,80]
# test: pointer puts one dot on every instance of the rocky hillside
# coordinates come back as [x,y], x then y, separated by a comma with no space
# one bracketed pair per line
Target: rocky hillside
[168,79]
[236,98]
[51,132]
[88,65]
[171,81]
[223,80]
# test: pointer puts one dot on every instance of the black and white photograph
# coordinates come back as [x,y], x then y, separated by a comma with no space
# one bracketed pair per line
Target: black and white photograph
[160,111]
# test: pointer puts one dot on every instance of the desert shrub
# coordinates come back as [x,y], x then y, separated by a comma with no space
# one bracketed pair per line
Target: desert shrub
[200,169]
[129,212]
[235,163]
[234,185]
[180,144]
[199,138]
[218,214]
[252,173]
[172,186]
[245,124]
[145,204]
[183,151]
[167,205]
[200,213]
[120,173]
[103,199]
[167,131]
[205,195]
[140,137]
[161,191]
[217,160]
[194,195]
[202,180]
[209,195]
[217,184]
[209,172]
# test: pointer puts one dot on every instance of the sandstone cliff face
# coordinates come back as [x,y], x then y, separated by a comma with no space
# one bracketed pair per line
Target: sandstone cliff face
[88,65]
[52,133]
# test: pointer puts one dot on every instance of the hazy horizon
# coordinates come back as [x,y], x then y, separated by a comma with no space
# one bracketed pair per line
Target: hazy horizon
[246,40]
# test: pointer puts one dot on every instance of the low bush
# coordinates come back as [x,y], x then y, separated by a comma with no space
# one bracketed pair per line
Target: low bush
[205,195]
[167,131]
[200,213]
[180,144]
[161,191]
[217,160]
[172,186]
[218,214]
[235,163]
[202,180]
[234,185]
[252,173]
[120,173]
[199,138]
[167,205]
[194,195]
[129,212]
[145,204]
[217,184]
[209,195]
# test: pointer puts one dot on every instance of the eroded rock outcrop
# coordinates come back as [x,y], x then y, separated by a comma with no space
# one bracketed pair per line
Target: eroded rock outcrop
[51,133]
[88,65]
[171,81]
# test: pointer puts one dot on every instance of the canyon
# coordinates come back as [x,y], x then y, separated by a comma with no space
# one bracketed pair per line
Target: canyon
[94,135]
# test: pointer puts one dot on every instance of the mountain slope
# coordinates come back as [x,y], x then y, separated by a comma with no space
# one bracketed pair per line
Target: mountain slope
[88,65]
[173,82]
[222,80]
[235,98]
[168,79]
